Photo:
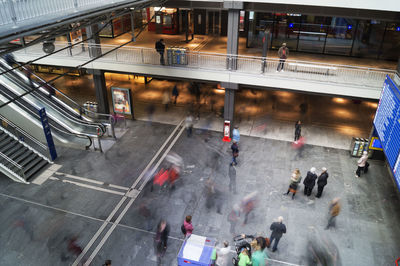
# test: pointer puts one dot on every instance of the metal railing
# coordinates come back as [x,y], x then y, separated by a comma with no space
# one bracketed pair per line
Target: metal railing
[14,11]
[294,69]
[20,134]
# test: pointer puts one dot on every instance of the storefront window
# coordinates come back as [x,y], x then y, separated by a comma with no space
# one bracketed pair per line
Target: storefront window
[368,38]
[312,34]
[340,35]
[286,30]
[391,42]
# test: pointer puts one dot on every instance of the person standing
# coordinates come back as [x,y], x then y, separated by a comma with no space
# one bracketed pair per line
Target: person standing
[322,181]
[236,134]
[283,54]
[244,259]
[258,256]
[297,131]
[334,210]
[187,223]
[309,181]
[294,182]
[161,240]
[362,162]
[175,93]
[235,152]
[165,99]
[223,258]
[278,229]
[160,48]
[232,178]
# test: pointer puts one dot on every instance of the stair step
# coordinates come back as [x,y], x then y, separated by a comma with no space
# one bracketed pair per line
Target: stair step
[4,143]
[14,150]
[36,169]
[32,163]
[3,136]
[10,145]
[25,158]
[17,153]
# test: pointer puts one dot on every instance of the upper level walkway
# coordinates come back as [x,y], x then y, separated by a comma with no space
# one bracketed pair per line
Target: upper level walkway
[316,77]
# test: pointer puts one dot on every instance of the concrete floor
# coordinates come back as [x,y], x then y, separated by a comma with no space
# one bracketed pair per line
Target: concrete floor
[37,221]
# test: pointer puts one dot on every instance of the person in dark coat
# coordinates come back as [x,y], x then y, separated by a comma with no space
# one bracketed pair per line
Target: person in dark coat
[160,47]
[278,229]
[297,131]
[175,93]
[322,181]
[235,152]
[161,240]
[309,181]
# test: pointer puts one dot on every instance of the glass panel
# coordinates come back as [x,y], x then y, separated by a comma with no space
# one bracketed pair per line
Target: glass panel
[368,38]
[391,43]
[340,36]
[312,34]
[286,29]
[258,22]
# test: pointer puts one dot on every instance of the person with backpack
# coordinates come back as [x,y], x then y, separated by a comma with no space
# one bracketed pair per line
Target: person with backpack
[187,227]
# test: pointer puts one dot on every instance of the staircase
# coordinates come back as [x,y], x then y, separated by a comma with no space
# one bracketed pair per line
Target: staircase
[17,160]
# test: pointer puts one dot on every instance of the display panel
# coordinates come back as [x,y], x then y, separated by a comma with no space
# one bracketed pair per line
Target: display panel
[387,121]
[121,100]
[375,144]
[396,171]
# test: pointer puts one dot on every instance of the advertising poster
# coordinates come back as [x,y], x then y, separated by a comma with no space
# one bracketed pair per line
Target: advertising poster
[121,99]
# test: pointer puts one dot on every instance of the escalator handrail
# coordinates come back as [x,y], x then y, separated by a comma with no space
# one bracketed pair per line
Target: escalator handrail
[34,105]
[67,116]
[72,101]
[79,135]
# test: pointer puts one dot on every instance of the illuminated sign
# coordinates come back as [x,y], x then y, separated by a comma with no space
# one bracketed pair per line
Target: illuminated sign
[375,144]
[121,100]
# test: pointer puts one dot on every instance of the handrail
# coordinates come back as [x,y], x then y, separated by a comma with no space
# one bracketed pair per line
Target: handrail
[11,161]
[82,136]
[23,132]
[19,167]
[243,56]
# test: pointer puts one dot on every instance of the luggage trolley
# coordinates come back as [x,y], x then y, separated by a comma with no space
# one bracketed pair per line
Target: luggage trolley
[196,250]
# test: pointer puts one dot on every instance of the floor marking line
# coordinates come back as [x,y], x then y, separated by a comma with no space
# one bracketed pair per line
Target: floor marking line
[99,231]
[118,187]
[51,207]
[81,178]
[122,214]
[93,187]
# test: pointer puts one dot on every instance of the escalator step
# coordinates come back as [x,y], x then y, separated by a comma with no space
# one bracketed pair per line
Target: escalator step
[36,169]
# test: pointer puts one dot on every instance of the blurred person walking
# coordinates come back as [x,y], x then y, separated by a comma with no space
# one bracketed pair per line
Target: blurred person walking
[309,181]
[223,258]
[107,263]
[236,134]
[283,54]
[322,181]
[362,164]
[233,218]
[189,124]
[334,210]
[165,99]
[232,178]
[294,182]
[161,240]
[278,228]
[297,131]
[299,146]
[248,204]
[187,226]
[175,93]
[160,48]
[235,152]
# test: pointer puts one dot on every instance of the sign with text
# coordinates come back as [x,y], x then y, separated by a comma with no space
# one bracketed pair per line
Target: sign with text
[121,100]
[47,133]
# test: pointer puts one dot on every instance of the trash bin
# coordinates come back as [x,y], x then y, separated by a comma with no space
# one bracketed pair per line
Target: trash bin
[169,55]
[196,250]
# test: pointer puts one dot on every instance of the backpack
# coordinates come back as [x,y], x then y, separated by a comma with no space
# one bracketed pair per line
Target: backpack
[183,229]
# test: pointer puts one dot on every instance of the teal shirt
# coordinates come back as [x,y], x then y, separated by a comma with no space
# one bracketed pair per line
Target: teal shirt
[258,258]
[244,260]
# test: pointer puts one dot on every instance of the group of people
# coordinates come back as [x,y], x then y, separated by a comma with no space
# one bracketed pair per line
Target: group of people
[309,182]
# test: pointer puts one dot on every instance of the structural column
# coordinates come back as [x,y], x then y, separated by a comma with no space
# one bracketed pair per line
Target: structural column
[229,104]
[98,75]
[233,31]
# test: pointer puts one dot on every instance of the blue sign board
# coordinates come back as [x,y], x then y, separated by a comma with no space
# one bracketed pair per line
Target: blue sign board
[387,124]
[47,133]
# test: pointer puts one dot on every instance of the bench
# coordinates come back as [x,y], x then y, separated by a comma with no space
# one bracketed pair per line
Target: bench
[314,69]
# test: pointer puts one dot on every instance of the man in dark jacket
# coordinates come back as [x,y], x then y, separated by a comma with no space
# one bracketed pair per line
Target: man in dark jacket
[278,229]
[309,181]
[235,152]
[322,181]
[160,47]
[283,54]
[161,240]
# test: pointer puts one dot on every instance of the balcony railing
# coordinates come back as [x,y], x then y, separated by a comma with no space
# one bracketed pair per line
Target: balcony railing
[366,77]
